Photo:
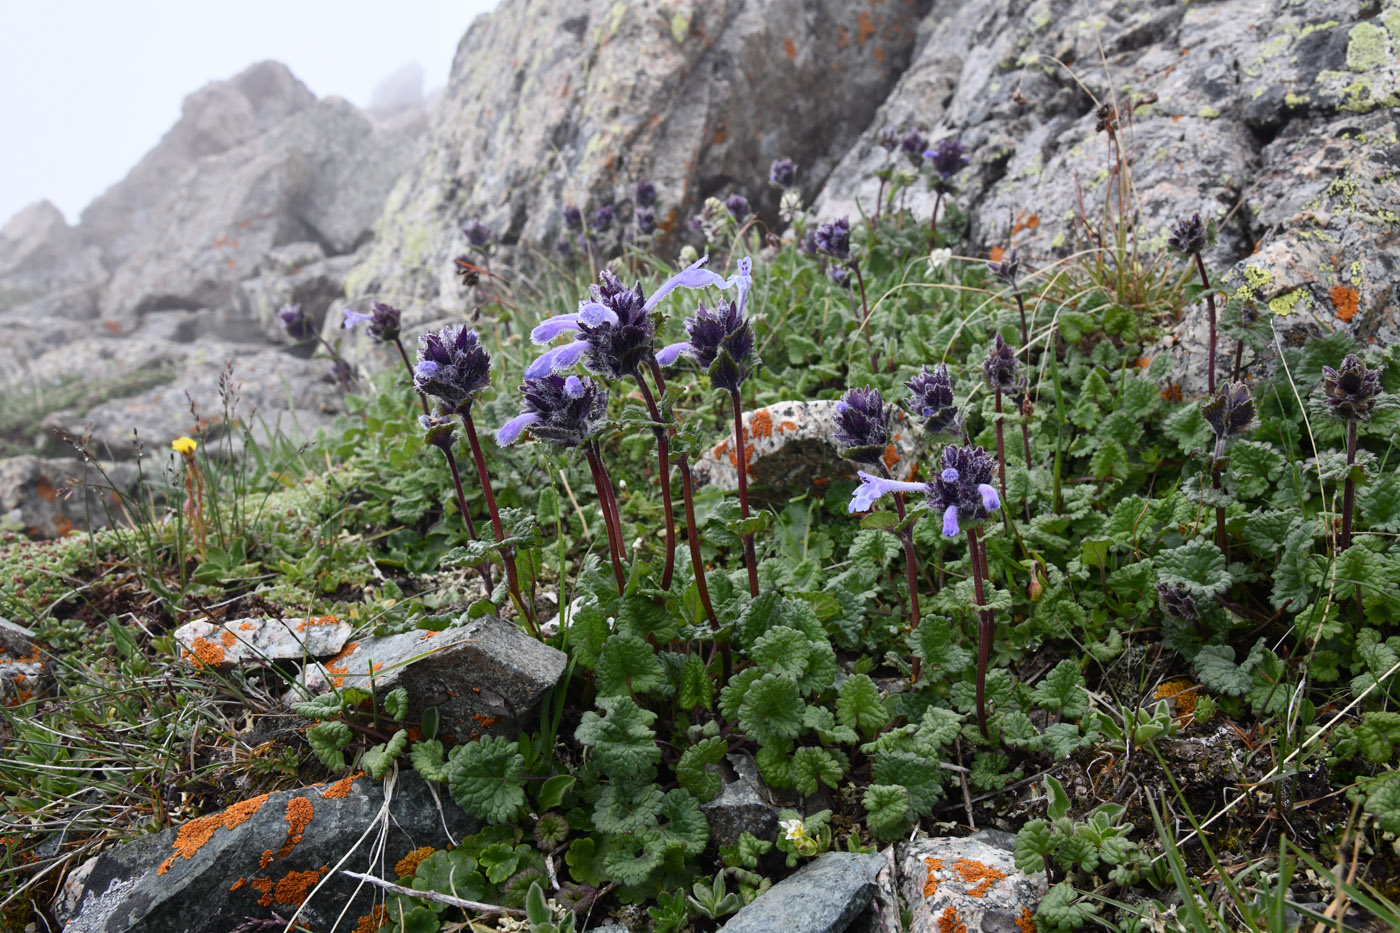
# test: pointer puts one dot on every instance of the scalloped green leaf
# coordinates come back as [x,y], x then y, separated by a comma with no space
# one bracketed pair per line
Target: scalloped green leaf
[486,778]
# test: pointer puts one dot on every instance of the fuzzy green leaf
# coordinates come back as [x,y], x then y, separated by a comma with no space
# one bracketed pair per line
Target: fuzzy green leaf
[731,696]
[936,643]
[684,827]
[622,740]
[1383,802]
[623,808]
[1215,666]
[695,688]
[486,778]
[887,810]
[328,740]
[812,765]
[771,709]
[692,771]
[427,760]
[378,759]
[774,761]
[1196,565]
[1377,735]
[918,775]
[1059,913]
[1062,691]
[628,665]
[396,704]
[858,706]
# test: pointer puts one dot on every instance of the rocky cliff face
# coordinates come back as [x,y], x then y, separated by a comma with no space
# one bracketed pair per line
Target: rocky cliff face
[1277,118]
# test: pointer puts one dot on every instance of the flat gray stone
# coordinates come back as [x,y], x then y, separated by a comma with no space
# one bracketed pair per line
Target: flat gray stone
[821,897]
[972,881]
[256,642]
[483,674]
[259,857]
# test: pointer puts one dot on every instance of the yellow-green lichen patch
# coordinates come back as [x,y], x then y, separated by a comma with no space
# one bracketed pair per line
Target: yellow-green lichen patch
[1368,47]
[1208,112]
[1295,100]
[1291,302]
[680,26]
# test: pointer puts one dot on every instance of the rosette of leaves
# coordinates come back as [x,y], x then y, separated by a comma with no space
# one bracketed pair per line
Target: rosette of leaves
[1097,844]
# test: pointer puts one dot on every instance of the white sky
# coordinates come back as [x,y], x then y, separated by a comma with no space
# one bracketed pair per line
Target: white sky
[88,86]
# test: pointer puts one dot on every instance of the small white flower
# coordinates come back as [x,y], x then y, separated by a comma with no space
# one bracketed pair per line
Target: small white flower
[938,259]
[793,830]
[687,255]
[790,205]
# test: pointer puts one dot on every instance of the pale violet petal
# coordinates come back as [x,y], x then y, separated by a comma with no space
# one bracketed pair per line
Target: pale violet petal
[573,387]
[951,475]
[556,359]
[425,369]
[354,319]
[743,280]
[594,313]
[671,352]
[990,500]
[694,275]
[550,328]
[509,432]
[950,522]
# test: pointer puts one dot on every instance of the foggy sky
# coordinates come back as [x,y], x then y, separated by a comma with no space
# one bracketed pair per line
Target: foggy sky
[86,88]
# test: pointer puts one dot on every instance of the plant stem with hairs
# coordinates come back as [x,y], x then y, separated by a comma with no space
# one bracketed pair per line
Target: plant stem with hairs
[595,466]
[1217,464]
[933,221]
[484,568]
[1001,447]
[1210,305]
[911,567]
[1349,506]
[740,458]
[507,554]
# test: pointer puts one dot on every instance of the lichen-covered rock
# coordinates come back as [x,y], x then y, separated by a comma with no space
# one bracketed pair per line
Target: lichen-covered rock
[484,675]
[245,642]
[262,856]
[24,668]
[559,101]
[1275,119]
[789,444]
[970,883]
[42,256]
[49,498]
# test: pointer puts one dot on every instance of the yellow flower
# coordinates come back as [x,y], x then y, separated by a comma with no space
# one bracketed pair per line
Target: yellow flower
[184,445]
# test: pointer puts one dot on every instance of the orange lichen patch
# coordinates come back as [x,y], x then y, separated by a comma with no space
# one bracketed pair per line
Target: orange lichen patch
[790,49]
[295,885]
[1026,921]
[371,921]
[426,635]
[1346,301]
[207,653]
[931,883]
[264,887]
[246,627]
[112,327]
[721,134]
[194,834]
[266,858]
[338,670]
[228,638]
[410,862]
[299,814]
[1182,694]
[375,666]
[950,922]
[45,489]
[891,456]
[761,424]
[239,884]
[787,426]
[996,254]
[1143,362]
[721,451]
[63,525]
[341,787]
[1172,393]
[316,620]
[866,27]
[165,865]
[977,874]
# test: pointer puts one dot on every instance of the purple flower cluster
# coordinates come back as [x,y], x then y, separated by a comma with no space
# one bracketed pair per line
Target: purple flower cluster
[1008,270]
[889,138]
[913,145]
[644,195]
[1000,366]
[603,218]
[862,425]
[782,173]
[476,232]
[834,239]
[565,411]
[930,400]
[1188,236]
[721,340]
[573,217]
[738,206]
[1229,411]
[452,367]
[1351,389]
[947,158]
[963,489]
[382,323]
[295,322]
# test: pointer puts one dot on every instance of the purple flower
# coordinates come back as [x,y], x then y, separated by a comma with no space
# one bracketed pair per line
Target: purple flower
[1000,367]
[1351,389]
[889,138]
[295,322]
[913,146]
[644,195]
[781,173]
[834,239]
[738,206]
[1008,270]
[874,488]
[476,232]
[1229,411]
[721,340]
[947,157]
[808,246]
[382,323]
[645,219]
[1188,235]
[603,218]
[616,334]
[862,425]
[963,489]
[439,430]
[840,276]
[1177,602]
[930,400]
[565,411]
[452,367]
[573,217]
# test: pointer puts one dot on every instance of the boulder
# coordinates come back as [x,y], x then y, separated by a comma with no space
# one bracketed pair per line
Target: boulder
[42,257]
[970,883]
[24,669]
[823,896]
[740,806]
[257,642]
[560,102]
[1277,122]
[49,498]
[484,675]
[261,857]
[789,444]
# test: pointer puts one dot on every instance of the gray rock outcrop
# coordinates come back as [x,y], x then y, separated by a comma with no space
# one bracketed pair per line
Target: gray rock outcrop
[824,896]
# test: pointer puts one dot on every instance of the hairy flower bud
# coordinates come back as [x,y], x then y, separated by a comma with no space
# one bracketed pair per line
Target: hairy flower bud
[913,145]
[1000,367]
[573,217]
[948,158]
[1351,389]
[1008,270]
[644,195]
[1230,410]
[295,322]
[962,492]
[834,239]
[439,430]
[738,206]
[862,425]
[1188,235]
[476,232]
[452,367]
[930,400]
[1177,602]
[781,173]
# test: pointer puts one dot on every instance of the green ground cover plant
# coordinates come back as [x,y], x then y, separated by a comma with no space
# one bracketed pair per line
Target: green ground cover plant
[1161,631]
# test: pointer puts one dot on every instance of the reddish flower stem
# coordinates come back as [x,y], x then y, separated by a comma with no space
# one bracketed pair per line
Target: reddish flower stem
[984,628]
[484,566]
[740,458]
[865,314]
[1210,305]
[591,454]
[507,555]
